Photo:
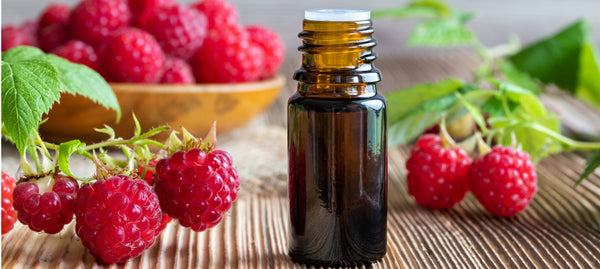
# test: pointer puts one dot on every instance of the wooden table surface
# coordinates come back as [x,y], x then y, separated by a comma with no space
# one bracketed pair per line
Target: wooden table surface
[560,228]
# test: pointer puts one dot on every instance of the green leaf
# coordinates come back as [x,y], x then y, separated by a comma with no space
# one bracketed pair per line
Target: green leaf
[568,59]
[417,108]
[21,53]
[477,116]
[65,150]
[588,80]
[592,163]
[531,124]
[420,9]
[29,89]
[410,127]
[519,78]
[406,99]
[449,32]
[79,79]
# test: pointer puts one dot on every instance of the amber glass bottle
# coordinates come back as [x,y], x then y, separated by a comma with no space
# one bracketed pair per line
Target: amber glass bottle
[337,144]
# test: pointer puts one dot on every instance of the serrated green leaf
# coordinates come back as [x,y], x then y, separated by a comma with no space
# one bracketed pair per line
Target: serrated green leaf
[407,99]
[21,53]
[29,89]
[420,9]
[588,80]
[592,164]
[518,77]
[449,32]
[79,79]
[410,127]
[65,150]
[556,58]
[417,108]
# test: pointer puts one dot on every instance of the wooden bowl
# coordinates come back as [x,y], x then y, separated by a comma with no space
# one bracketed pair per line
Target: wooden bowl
[195,107]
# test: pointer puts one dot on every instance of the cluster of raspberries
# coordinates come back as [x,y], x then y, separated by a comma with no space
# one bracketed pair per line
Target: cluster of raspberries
[503,180]
[119,217]
[154,41]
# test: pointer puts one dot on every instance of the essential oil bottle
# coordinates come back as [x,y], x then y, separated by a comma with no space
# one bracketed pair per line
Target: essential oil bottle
[337,144]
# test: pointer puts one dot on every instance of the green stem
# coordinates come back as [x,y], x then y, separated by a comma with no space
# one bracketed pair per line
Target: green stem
[573,144]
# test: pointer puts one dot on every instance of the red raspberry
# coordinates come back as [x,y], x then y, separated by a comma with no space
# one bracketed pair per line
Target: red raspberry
[146,172]
[197,188]
[148,176]
[138,6]
[271,45]
[13,36]
[47,211]
[117,218]
[92,21]
[437,176]
[177,71]
[53,26]
[504,181]
[54,13]
[9,215]
[132,55]
[227,56]
[220,14]
[79,52]
[179,30]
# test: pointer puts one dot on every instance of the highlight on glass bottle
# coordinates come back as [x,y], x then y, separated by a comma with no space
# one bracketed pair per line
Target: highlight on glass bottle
[337,144]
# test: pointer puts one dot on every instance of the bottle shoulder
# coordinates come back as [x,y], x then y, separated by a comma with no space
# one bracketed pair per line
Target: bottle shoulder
[376,102]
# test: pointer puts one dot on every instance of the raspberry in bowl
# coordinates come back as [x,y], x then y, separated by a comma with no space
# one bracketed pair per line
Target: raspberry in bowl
[169,63]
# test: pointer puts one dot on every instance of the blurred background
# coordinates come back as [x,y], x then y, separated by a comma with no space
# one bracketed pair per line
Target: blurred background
[494,20]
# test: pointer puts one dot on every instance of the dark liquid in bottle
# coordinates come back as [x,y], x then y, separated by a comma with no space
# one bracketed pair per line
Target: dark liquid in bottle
[338,180]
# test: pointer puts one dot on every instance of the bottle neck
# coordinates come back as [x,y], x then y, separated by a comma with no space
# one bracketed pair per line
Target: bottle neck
[337,59]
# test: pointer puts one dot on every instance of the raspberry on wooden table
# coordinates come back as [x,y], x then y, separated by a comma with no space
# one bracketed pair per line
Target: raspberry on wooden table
[132,55]
[117,218]
[503,181]
[92,21]
[47,211]
[180,30]
[9,215]
[437,176]
[197,188]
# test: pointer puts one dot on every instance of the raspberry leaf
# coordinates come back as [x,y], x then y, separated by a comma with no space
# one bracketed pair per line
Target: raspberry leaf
[592,163]
[514,75]
[21,53]
[417,108]
[29,89]
[448,32]
[568,59]
[78,79]
[419,9]
[588,80]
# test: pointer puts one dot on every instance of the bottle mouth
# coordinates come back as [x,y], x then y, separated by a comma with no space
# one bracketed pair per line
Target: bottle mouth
[337,15]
